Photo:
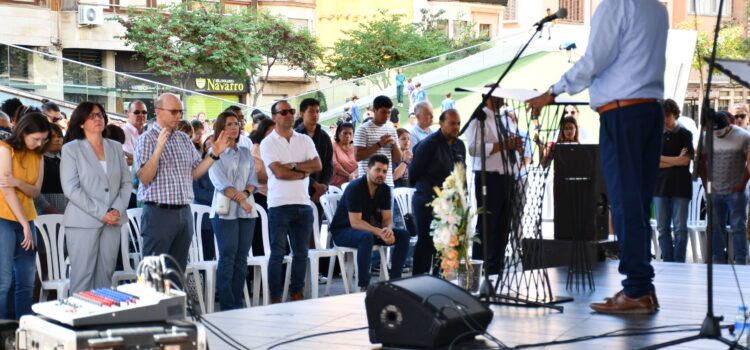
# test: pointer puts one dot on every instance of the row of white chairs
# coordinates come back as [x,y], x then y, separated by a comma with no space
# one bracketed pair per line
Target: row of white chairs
[52,233]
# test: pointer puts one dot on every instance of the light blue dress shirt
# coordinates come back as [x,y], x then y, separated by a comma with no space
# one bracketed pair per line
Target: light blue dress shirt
[235,168]
[626,55]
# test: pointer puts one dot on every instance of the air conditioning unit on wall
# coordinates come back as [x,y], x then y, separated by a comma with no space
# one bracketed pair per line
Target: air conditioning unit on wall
[89,15]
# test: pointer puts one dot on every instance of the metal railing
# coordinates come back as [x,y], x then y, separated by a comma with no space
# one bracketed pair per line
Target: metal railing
[62,79]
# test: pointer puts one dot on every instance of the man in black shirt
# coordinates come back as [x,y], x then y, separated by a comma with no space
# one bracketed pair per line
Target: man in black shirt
[674,185]
[364,218]
[434,159]
[310,111]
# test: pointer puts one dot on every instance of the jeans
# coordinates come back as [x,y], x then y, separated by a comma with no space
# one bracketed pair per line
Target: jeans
[400,93]
[671,215]
[363,241]
[630,143]
[16,264]
[234,238]
[729,209]
[295,221]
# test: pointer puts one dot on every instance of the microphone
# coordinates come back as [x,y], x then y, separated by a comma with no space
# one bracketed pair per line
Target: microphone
[561,13]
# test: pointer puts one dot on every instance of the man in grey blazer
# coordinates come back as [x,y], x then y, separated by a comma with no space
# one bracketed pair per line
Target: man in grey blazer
[97,182]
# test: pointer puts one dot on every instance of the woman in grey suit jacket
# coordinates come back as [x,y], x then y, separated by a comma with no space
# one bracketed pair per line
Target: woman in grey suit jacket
[97,182]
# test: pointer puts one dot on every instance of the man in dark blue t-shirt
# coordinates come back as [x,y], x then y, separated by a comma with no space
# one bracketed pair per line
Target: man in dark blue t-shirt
[364,218]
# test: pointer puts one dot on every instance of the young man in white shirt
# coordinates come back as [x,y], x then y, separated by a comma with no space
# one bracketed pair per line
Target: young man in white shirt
[290,158]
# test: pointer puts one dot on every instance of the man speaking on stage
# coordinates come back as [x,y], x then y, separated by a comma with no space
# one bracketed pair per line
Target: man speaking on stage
[624,70]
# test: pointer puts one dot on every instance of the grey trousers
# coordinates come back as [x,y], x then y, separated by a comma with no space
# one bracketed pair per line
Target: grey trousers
[167,231]
[93,256]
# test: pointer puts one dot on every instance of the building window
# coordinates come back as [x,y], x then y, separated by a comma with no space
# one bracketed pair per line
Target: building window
[707,7]
[724,105]
[576,12]
[511,11]
[484,30]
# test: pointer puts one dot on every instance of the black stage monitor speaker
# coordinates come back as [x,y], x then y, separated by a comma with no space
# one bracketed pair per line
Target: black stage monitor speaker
[581,205]
[423,312]
[8,334]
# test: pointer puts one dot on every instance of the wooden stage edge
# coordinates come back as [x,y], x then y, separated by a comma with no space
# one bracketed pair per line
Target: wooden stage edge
[680,287]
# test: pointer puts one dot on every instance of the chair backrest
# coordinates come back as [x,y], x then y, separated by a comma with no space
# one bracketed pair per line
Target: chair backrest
[316,227]
[330,202]
[263,217]
[694,207]
[50,228]
[134,225]
[200,212]
[334,190]
[403,195]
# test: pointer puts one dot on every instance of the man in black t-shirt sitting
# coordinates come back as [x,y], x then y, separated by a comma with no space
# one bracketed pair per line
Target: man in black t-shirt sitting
[364,218]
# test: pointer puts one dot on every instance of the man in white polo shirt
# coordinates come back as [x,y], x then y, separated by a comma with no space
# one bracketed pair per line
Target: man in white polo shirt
[290,158]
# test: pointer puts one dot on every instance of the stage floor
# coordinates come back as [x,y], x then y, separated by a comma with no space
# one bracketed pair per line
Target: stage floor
[680,287]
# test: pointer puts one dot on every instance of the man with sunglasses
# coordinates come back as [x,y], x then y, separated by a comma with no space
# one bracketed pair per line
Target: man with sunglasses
[740,115]
[137,114]
[168,163]
[290,158]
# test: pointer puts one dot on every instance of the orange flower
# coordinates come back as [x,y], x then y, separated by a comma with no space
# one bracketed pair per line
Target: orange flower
[454,241]
[452,254]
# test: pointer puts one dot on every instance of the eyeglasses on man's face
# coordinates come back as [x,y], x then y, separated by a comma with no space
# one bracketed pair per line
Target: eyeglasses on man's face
[175,112]
[284,112]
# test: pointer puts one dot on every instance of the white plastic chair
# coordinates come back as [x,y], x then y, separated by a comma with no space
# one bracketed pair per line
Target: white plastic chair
[196,259]
[696,226]
[314,256]
[128,272]
[330,203]
[334,190]
[403,196]
[50,228]
[260,265]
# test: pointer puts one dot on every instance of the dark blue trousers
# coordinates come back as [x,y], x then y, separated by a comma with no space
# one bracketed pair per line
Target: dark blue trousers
[630,144]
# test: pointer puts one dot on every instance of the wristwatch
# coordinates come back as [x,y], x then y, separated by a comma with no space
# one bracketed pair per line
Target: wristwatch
[294,166]
[246,192]
[214,157]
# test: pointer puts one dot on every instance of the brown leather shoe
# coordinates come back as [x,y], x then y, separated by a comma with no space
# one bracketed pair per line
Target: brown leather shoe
[653,297]
[276,301]
[297,296]
[622,304]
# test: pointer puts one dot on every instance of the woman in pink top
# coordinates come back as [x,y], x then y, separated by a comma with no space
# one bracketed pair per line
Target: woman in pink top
[344,164]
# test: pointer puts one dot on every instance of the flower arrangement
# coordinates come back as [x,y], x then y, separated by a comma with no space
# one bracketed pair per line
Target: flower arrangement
[451,232]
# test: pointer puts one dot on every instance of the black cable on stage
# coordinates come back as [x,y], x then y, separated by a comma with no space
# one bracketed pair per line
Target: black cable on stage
[316,335]
[612,334]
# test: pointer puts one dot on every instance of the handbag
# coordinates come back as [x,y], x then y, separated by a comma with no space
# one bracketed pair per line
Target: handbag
[222,203]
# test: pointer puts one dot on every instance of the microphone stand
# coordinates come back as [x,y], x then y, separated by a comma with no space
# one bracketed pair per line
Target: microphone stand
[710,329]
[487,292]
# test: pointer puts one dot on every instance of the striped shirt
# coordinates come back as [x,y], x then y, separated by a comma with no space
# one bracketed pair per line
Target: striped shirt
[369,134]
[173,183]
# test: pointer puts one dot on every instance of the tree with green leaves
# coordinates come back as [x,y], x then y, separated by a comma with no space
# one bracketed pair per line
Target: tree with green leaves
[186,39]
[381,44]
[732,44]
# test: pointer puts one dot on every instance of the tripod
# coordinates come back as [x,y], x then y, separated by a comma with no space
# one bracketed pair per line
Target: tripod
[710,328]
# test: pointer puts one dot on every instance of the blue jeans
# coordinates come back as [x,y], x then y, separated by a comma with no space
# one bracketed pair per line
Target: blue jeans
[295,221]
[16,264]
[671,215]
[363,241]
[729,209]
[630,143]
[400,93]
[234,238]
